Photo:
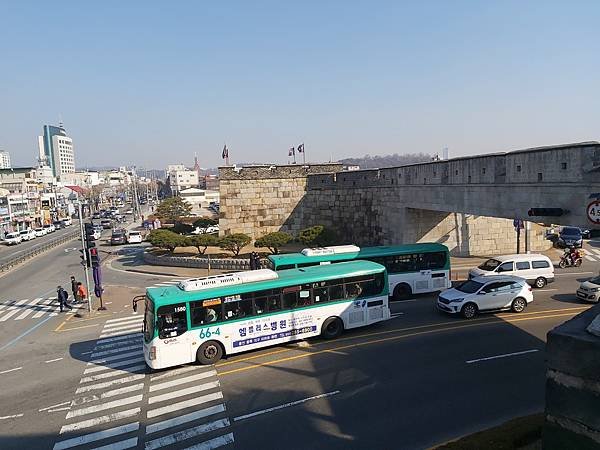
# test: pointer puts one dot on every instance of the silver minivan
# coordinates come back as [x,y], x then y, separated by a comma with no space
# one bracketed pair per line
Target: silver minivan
[537,269]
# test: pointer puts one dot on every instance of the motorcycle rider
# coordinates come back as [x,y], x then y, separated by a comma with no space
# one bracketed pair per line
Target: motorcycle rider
[571,255]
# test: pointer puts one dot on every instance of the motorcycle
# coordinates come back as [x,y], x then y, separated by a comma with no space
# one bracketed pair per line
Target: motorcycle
[571,259]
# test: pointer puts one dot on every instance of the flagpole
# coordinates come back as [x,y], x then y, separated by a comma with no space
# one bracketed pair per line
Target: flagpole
[294,154]
[303,154]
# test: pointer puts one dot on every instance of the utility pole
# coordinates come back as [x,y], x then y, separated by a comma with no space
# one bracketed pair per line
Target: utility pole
[136,208]
[85,256]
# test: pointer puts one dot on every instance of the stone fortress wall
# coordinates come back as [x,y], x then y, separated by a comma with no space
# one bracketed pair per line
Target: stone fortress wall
[467,203]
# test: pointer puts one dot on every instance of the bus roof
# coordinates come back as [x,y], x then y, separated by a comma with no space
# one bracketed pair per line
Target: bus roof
[173,294]
[365,252]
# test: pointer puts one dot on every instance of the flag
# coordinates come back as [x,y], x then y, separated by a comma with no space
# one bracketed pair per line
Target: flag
[291,152]
[301,148]
[225,154]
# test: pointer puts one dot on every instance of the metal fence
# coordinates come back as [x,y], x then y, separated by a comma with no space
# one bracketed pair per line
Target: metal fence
[31,253]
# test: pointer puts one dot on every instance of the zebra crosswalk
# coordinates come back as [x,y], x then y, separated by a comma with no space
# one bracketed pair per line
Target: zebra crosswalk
[32,309]
[589,253]
[118,404]
[171,282]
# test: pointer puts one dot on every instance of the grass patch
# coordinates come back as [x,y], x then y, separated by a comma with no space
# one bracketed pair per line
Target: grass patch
[522,433]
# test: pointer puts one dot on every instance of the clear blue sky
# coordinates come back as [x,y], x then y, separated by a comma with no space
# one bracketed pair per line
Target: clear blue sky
[150,83]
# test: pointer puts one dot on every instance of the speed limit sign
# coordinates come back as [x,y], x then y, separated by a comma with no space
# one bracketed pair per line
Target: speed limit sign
[593,212]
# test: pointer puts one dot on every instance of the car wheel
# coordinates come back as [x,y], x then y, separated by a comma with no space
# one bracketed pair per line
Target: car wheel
[469,310]
[332,328]
[540,282]
[209,353]
[518,305]
[402,291]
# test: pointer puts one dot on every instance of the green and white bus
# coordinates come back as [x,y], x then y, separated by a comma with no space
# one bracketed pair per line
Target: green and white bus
[412,268]
[205,318]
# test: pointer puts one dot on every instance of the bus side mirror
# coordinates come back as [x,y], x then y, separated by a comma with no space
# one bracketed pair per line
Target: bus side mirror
[135,306]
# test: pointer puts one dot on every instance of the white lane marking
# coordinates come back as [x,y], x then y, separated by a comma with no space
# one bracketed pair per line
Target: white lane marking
[123,390]
[184,380]
[53,406]
[113,358]
[66,408]
[186,434]
[129,341]
[106,384]
[127,328]
[120,333]
[14,416]
[10,370]
[114,365]
[545,290]
[119,338]
[574,274]
[100,420]
[285,405]
[121,445]
[91,437]
[105,406]
[595,250]
[589,258]
[4,305]
[182,392]
[45,307]
[122,349]
[172,373]
[113,373]
[176,421]
[13,310]
[129,323]
[53,360]
[213,443]
[506,355]
[121,319]
[185,404]
[29,310]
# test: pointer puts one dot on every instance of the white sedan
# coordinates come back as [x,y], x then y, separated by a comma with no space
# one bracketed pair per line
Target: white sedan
[134,237]
[39,232]
[27,235]
[13,238]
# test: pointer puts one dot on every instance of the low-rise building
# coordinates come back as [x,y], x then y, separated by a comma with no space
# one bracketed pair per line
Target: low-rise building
[199,199]
[180,180]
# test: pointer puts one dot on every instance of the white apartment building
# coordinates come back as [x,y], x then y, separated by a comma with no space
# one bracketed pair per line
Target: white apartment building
[182,179]
[4,160]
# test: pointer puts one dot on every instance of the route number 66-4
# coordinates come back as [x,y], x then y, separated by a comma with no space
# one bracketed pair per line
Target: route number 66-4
[205,333]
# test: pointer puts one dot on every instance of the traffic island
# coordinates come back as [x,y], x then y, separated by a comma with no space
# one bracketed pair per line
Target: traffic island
[572,417]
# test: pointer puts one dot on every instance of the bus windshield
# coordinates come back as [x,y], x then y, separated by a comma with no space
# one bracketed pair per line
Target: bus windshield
[149,320]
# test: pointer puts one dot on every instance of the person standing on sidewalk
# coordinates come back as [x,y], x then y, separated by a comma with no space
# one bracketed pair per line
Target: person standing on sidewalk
[74,289]
[81,292]
[62,296]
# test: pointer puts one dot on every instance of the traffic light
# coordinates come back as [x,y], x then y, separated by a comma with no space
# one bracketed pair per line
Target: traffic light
[547,212]
[89,235]
[85,257]
[94,257]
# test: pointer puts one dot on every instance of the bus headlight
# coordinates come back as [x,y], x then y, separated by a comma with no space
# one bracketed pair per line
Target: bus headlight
[152,353]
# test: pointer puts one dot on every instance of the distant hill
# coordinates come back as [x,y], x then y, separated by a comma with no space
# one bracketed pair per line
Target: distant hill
[379,162]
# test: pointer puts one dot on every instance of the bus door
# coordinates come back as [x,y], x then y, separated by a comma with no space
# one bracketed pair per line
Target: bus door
[176,347]
[422,281]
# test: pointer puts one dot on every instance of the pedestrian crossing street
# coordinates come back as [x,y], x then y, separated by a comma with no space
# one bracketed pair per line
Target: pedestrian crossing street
[119,405]
[590,254]
[33,309]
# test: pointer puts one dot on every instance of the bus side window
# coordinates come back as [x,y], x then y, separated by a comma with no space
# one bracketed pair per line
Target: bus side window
[274,302]
[202,315]
[172,321]
[320,292]
[290,300]
[260,306]
[237,310]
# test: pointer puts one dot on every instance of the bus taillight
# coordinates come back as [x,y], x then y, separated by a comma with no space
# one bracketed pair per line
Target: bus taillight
[152,353]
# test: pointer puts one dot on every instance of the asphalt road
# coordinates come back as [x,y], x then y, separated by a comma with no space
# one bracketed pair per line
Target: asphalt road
[418,379]
[8,252]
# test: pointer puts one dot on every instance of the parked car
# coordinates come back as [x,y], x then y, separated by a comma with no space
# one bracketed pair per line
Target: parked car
[134,237]
[537,269]
[569,237]
[491,293]
[58,224]
[98,228]
[27,235]
[589,290]
[118,237]
[106,224]
[67,221]
[41,231]
[209,229]
[13,238]
[50,228]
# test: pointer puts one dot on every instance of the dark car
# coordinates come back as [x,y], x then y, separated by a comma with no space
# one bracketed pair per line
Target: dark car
[585,232]
[118,237]
[58,224]
[106,224]
[570,237]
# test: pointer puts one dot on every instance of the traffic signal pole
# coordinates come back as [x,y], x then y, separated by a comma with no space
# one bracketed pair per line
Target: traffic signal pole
[85,258]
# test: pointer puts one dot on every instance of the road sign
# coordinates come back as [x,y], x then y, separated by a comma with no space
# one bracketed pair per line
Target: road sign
[518,224]
[593,212]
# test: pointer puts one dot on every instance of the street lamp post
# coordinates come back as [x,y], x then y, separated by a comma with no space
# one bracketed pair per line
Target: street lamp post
[85,256]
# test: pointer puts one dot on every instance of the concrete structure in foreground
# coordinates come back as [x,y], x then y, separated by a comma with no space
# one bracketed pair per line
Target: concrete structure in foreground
[573,385]
[467,203]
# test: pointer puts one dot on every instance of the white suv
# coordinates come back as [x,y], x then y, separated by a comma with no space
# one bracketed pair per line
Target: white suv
[12,238]
[489,293]
[27,235]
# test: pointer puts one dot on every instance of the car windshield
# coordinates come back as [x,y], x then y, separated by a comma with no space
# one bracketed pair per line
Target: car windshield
[469,287]
[595,280]
[490,264]
[12,235]
[134,233]
[570,231]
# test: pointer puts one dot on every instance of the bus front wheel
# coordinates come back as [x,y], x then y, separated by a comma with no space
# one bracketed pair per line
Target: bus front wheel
[332,328]
[209,353]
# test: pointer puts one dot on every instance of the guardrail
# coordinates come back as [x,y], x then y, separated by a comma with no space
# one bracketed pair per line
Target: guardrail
[8,265]
[228,264]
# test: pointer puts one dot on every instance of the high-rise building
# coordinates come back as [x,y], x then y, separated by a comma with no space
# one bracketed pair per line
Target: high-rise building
[56,150]
[4,160]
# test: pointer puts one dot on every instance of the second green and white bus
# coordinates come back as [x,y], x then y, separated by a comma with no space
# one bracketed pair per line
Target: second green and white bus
[412,268]
[203,319]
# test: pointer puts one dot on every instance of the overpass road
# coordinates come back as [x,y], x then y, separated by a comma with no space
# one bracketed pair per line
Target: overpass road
[9,252]
[418,379]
